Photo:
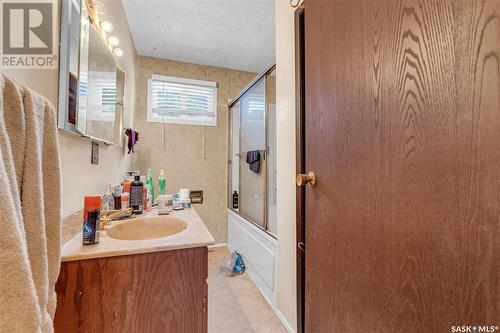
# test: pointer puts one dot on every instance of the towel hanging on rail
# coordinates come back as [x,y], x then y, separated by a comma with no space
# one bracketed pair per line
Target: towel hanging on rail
[253,160]
[31,217]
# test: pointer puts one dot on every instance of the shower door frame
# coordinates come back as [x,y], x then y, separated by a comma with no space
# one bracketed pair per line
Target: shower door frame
[234,101]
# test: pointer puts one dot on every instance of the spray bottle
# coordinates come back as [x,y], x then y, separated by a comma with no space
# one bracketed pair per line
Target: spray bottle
[161,183]
[149,183]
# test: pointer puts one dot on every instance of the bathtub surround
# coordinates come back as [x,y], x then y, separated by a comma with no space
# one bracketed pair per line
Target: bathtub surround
[30,214]
[178,148]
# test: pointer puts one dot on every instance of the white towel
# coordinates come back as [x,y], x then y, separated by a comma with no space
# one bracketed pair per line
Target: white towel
[32,220]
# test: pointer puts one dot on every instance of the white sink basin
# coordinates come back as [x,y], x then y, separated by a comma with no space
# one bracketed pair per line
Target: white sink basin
[147,228]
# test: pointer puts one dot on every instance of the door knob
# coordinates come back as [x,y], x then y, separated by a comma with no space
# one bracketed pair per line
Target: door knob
[303,179]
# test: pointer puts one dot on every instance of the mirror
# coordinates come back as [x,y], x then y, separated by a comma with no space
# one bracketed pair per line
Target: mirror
[69,65]
[91,89]
[83,68]
[101,89]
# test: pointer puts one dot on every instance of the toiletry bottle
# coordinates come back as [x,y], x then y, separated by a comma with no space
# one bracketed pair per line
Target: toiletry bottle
[90,230]
[126,185]
[125,200]
[151,186]
[149,201]
[137,195]
[235,200]
[117,196]
[107,201]
[144,193]
[161,183]
[90,233]
[91,202]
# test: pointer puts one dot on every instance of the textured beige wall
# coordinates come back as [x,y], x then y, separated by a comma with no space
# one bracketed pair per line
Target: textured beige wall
[79,176]
[285,142]
[182,154]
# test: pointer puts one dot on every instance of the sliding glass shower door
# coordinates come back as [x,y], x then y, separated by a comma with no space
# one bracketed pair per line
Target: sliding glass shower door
[249,153]
[252,168]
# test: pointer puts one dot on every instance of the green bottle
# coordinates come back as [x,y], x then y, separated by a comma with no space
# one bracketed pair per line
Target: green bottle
[161,183]
[149,183]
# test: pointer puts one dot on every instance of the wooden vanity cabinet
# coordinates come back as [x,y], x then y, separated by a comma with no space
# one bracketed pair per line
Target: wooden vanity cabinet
[150,292]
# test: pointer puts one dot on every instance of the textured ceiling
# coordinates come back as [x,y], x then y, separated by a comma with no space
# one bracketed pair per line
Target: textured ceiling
[236,34]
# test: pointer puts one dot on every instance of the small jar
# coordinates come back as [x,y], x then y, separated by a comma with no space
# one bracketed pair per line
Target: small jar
[125,200]
[165,204]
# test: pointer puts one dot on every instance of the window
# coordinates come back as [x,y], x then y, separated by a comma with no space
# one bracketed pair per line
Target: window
[101,103]
[108,96]
[175,100]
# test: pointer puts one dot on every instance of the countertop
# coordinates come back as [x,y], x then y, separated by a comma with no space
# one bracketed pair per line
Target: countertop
[195,235]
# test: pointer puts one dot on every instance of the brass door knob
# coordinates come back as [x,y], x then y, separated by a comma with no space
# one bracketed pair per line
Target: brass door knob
[303,179]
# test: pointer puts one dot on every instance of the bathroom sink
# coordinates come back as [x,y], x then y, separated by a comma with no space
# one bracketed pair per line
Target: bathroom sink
[142,228]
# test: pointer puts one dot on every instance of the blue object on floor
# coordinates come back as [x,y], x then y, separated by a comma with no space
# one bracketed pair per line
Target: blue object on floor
[239,265]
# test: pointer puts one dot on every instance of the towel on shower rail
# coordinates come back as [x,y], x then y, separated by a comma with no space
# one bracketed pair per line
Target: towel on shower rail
[253,160]
[31,223]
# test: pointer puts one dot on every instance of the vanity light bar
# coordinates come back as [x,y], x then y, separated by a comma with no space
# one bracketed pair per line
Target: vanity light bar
[106,26]
[118,52]
[113,41]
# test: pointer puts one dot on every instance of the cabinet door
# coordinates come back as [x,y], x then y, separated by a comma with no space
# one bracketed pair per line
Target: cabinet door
[149,292]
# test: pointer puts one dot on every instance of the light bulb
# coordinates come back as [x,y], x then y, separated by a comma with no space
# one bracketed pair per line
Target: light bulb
[106,26]
[118,52]
[99,7]
[113,41]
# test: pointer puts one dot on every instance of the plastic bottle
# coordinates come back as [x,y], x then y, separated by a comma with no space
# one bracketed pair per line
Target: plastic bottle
[107,201]
[125,200]
[235,200]
[144,193]
[117,196]
[136,195]
[161,183]
[149,203]
[126,185]
[150,184]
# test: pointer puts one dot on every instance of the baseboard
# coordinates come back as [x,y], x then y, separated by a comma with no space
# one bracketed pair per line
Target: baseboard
[283,320]
[277,312]
[217,245]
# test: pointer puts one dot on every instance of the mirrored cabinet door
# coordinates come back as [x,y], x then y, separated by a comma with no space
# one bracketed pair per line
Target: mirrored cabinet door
[83,72]
[69,65]
[92,87]
[101,91]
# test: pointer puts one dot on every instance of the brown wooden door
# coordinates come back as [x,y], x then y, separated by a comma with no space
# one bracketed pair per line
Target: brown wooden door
[402,119]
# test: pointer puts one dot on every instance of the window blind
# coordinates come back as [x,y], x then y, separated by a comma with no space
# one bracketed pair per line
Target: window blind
[182,101]
[108,96]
